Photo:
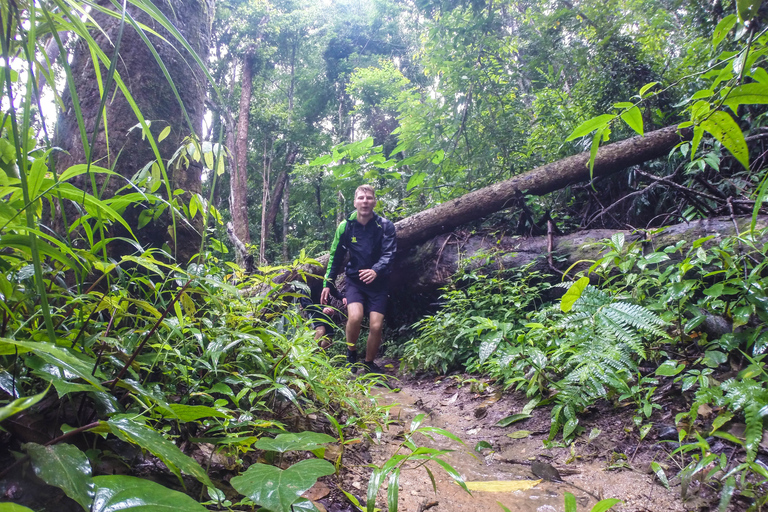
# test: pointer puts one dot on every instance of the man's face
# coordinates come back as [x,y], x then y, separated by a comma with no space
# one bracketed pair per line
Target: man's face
[364,202]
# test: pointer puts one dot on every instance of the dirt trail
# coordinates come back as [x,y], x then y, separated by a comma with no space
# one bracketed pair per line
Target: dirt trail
[610,466]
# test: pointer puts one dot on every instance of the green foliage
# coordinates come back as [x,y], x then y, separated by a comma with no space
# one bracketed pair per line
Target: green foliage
[479,312]
[277,490]
[393,466]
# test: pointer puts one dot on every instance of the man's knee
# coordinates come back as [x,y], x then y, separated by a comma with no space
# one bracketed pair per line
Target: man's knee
[376,321]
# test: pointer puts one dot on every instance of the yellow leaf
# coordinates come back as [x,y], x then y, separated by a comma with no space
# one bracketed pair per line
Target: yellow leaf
[163,134]
[503,485]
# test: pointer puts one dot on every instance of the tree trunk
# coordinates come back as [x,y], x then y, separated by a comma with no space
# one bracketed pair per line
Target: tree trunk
[286,216]
[432,264]
[127,151]
[542,180]
[238,196]
[277,192]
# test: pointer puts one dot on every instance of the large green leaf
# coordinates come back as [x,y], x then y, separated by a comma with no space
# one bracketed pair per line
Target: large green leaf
[754,93]
[20,404]
[573,294]
[722,127]
[186,413]
[722,29]
[634,119]
[276,489]
[288,442]
[63,358]
[149,439]
[747,9]
[66,467]
[591,125]
[131,494]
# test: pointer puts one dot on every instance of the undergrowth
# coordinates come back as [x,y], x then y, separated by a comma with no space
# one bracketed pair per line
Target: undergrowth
[688,310]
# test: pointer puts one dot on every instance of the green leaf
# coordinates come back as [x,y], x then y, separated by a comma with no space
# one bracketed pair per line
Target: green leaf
[130,494]
[634,119]
[591,125]
[276,489]
[514,418]
[607,504]
[669,368]
[659,472]
[22,403]
[63,358]
[12,507]
[570,502]
[392,490]
[187,413]
[483,445]
[726,494]
[289,442]
[748,94]
[322,160]
[723,128]
[416,180]
[722,29]
[747,9]
[646,88]
[66,467]
[573,294]
[149,439]
[721,420]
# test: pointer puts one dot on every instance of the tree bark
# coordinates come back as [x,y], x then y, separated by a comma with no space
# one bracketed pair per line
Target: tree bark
[286,216]
[431,265]
[277,192]
[127,151]
[238,196]
[610,159]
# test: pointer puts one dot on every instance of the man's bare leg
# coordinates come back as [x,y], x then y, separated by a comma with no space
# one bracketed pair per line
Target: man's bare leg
[354,323]
[374,336]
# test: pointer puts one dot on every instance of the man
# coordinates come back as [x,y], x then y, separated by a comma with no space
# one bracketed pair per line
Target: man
[324,319]
[370,241]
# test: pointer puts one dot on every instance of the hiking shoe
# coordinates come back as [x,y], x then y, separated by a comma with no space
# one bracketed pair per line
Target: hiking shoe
[352,360]
[371,367]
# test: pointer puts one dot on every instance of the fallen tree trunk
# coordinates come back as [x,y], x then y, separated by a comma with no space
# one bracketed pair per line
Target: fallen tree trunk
[610,159]
[419,275]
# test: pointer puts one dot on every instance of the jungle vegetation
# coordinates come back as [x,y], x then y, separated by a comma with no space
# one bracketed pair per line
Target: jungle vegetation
[134,131]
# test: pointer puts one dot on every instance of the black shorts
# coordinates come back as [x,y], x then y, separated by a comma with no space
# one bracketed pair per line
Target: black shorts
[373,300]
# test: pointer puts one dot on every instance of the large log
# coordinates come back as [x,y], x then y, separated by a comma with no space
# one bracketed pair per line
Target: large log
[419,275]
[610,159]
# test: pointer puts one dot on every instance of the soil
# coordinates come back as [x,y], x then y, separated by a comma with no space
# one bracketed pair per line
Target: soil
[608,461]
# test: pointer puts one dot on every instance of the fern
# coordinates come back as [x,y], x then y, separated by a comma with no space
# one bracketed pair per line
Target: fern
[601,341]
[748,396]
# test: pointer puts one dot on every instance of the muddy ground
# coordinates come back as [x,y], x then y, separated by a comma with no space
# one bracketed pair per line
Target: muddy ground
[611,463]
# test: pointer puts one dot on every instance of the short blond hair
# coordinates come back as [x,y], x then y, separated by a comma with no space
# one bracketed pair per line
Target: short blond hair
[365,188]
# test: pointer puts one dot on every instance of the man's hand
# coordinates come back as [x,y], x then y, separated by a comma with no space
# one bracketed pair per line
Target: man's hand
[328,311]
[367,275]
[324,295]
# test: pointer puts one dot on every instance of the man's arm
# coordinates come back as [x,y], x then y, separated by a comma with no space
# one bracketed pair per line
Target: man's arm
[388,250]
[335,261]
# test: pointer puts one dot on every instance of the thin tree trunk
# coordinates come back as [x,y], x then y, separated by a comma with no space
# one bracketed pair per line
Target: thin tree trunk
[542,180]
[286,216]
[264,200]
[238,196]
[277,192]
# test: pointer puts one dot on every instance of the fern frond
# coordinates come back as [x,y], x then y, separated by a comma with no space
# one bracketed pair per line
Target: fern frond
[754,431]
[638,317]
